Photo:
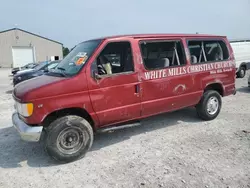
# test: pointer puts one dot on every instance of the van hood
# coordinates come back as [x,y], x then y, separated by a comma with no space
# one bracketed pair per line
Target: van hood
[22,90]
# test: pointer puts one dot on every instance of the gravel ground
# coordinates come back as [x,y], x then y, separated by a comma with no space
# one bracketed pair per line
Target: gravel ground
[170,150]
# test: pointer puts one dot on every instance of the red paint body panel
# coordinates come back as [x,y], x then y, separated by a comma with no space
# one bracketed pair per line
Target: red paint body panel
[22,91]
[117,99]
[54,93]
[114,99]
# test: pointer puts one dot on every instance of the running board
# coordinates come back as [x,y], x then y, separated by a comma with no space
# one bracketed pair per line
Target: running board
[117,127]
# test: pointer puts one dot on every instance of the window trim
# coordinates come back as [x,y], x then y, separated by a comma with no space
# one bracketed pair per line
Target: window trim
[204,40]
[164,40]
[115,74]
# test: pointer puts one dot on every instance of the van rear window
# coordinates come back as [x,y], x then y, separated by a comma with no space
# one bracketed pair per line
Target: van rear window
[203,51]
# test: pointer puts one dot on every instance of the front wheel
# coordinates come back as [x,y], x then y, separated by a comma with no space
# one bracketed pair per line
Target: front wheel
[209,106]
[68,138]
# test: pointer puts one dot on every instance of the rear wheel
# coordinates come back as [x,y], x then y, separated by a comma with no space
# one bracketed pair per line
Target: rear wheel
[68,138]
[242,72]
[209,106]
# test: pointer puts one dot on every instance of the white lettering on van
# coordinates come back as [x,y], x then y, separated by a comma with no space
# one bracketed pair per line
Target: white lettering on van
[147,75]
[212,68]
[164,75]
[171,72]
[153,74]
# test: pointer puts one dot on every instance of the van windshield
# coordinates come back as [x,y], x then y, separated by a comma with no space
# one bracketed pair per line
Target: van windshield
[77,58]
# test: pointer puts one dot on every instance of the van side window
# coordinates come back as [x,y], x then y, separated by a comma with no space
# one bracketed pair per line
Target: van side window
[162,54]
[207,51]
[115,58]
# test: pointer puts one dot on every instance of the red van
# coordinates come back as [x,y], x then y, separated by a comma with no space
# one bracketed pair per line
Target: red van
[115,81]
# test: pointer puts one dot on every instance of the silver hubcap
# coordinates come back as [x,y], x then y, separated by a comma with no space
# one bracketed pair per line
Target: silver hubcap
[212,105]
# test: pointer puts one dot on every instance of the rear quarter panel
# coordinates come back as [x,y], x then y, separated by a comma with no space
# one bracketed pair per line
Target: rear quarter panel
[220,72]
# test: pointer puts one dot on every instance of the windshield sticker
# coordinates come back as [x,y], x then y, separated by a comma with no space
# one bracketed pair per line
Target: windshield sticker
[81,54]
[80,58]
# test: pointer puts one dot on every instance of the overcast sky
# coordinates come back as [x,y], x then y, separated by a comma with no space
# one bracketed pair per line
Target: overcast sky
[71,22]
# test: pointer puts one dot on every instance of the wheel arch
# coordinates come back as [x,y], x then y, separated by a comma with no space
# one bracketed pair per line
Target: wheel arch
[68,111]
[215,86]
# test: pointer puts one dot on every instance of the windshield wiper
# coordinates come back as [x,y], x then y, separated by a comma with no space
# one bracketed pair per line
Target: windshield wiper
[62,71]
[61,68]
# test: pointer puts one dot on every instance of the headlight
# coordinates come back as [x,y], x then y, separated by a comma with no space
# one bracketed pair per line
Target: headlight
[19,78]
[25,110]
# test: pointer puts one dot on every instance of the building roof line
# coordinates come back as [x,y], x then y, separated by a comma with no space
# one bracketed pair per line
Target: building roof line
[30,34]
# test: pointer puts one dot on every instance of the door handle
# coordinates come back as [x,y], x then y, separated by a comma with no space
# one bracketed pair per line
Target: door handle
[137,88]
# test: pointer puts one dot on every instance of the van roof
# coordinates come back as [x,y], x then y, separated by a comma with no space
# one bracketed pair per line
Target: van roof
[158,35]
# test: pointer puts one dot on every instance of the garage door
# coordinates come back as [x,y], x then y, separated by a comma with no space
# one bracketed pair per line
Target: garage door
[22,56]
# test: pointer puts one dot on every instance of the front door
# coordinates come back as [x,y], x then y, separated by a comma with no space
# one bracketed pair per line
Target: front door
[113,84]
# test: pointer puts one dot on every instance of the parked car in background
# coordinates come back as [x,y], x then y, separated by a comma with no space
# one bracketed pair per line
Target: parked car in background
[241,50]
[88,91]
[249,81]
[28,66]
[39,70]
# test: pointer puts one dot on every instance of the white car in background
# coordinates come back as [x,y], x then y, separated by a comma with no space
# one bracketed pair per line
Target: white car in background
[241,49]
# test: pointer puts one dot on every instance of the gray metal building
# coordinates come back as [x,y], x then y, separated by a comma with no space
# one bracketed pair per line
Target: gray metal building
[19,47]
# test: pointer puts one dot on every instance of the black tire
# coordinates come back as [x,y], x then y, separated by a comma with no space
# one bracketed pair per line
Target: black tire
[242,72]
[68,138]
[202,106]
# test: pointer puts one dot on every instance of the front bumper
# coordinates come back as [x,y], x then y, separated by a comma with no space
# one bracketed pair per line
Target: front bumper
[27,133]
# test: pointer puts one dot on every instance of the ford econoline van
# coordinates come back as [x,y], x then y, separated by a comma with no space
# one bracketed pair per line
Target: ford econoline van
[115,81]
